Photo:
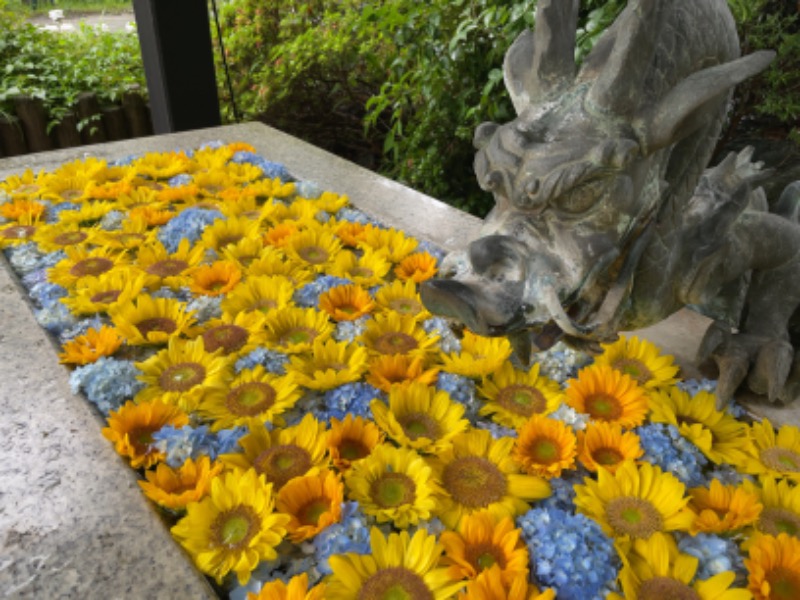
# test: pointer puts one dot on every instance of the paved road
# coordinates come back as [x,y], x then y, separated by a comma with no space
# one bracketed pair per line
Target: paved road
[72,21]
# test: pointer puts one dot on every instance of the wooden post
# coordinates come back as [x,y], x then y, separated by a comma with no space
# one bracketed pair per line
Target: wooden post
[66,132]
[114,122]
[11,136]
[137,114]
[33,117]
[175,40]
[88,109]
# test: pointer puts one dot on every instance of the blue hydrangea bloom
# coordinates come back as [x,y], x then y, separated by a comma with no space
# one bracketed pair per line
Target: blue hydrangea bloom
[189,224]
[448,342]
[183,294]
[124,161]
[716,554]
[270,169]
[664,446]
[26,258]
[347,331]
[308,189]
[727,475]
[112,220]
[80,328]
[462,390]
[107,383]
[693,386]
[354,215]
[432,249]
[55,318]
[497,431]
[205,308]
[46,293]
[349,398]
[563,492]
[308,295]
[227,441]
[569,552]
[54,211]
[180,180]
[350,535]
[272,360]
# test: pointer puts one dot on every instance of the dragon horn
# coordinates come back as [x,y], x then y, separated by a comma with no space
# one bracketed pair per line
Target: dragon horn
[541,62]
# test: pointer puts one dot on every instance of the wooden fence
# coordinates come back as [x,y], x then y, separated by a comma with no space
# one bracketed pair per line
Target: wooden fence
[27,129]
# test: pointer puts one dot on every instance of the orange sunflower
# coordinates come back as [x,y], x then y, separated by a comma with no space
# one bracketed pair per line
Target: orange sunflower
[606,394]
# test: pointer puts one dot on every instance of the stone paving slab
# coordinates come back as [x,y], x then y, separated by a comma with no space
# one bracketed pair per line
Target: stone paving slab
[73,523]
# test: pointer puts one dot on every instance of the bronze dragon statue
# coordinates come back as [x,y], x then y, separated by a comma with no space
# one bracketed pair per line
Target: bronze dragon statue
[606,218]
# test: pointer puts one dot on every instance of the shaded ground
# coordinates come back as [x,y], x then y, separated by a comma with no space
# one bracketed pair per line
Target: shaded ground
[72,21]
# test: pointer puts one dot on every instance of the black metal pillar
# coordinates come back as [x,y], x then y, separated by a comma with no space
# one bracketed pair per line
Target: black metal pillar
[175,38]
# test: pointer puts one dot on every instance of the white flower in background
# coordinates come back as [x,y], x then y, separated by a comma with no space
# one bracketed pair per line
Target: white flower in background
[56,15]
[130,27]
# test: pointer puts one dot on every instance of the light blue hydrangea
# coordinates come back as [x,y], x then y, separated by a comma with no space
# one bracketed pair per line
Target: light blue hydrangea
[182,294]
[55,210]
[308,295]
[180,180]
[205,308]
[351,398]
[26,258]
[348,331]
[350,535]
[693,386]
[55,318]
[308,189]
[107,383]
[112,220]
[570,553]
[462,390]
[192,442]
[271,170]
[354,215]
[272,360]
[664,446]
[448,341]
[80,328]
[498,431]
[432,249]
[189,225]
[561,362]
[716,554]
[727,475]
[46,293]
[563,492]
[568,415]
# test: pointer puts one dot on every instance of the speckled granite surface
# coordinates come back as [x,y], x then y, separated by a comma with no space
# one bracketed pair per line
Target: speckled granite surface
[73,523]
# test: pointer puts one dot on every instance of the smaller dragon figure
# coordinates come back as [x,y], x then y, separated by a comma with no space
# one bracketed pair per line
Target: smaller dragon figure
[606,218]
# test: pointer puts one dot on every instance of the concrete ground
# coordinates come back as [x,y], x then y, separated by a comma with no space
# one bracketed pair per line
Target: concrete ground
[123,21]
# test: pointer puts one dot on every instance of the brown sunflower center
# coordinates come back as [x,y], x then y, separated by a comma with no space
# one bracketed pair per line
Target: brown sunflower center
[130,239]
[634,369]
[361,272]
[395,342]
[225,240]
[234,528]
[298,335]
[607,456]
[106,297]
[228,337]
[543,450]
[182,377]
[250,398]
[156,325]
[71,193]
[603,406]
[141,438]
[391,490]
[26,188]
[394,583]
[405,306]
[69,238]
[92,266]
[662,588]
[18,232]
[352,449]
[774,520]
[264,304]
[633,516]
[781,459]
[310,513]
[313,254]
[784,583]
[484,555]
[417,425]
[474,481]
[169,267]
[282,463]
[523,400]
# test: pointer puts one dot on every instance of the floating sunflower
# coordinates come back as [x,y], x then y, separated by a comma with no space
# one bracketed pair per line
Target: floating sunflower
[65,188]
[282,454]
[393,484]
[330,202]
[234,528]
[416,267]
[131,430]
[606,394]
[717,434]
[393,244]
[243,252]
[351,440]
[483,541]
[515,396]
[641,361]
[398,566]
[134,234]
[279,234]
[233,335]
[29,184]
[366,270]
[266,189]
[313,502]
[223,233]
[401,297]
[773,567]
[635,501]
[182,373]
[22,208]
[775,453]
[106,292]
[781,506]
[350,232]
[188,194]
[263,294]
[108,189]
[81,263]
[296,589]
[392,333]
[545,447]
[388,370]
[329,365]
[292,330]
[175,488]
[87,348]
[420,417]
[479,357]
[723,508]
[605,445]
[165,268]
[216,279]
[346,302]
[314,249]
[656,570]
[490,585]
[63,235]
[252,394]
[147,320]
[162,165]
[273,262]
[477,473]
[17,233]
[89,213]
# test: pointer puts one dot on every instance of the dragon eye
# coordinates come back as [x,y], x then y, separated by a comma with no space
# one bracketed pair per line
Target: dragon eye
[581,198]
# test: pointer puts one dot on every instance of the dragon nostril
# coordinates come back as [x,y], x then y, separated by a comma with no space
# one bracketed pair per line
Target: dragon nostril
[532,187]
[493,180]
